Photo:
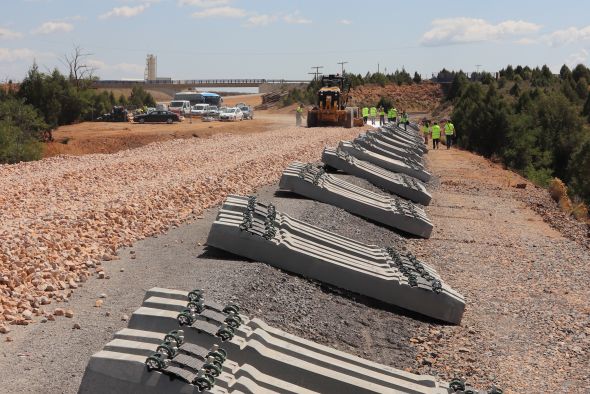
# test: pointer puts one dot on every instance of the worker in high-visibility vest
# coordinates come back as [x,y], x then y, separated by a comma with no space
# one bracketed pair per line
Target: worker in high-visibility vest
[391,114]
[449,133]
[299,115]
[381,116]
[435,135]
[425,130]
[365,114]
[394,112]
[373,113]
[405,120]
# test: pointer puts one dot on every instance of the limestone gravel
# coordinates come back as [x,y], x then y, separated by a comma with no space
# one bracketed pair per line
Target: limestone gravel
[61,216]
[526,326]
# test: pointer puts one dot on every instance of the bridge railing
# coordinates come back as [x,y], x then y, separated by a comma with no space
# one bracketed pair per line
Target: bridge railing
[200,82]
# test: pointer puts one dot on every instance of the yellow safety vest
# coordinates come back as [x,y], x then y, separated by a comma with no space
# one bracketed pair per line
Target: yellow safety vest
[373,111]
[425,129]
[394,112]
[390,113]
[365,111]
[299,110]
[435,132]
[449,129]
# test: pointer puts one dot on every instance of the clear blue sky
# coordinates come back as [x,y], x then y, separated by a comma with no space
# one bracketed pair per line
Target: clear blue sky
[283,39]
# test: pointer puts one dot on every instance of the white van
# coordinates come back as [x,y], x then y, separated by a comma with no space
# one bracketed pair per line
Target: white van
[181,107]
[200,109]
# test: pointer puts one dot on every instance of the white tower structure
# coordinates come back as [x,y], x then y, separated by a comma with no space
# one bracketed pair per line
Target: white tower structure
[151,68]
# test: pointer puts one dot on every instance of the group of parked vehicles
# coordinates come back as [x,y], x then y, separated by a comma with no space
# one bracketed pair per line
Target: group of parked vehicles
[179,109]
[207,106]
[208,112]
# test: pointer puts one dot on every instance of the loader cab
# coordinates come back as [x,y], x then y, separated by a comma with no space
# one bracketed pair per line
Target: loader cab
[329,98]
[330,94]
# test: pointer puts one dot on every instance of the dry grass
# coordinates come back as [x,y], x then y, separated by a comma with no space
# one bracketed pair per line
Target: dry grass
[580,212]
[558,191]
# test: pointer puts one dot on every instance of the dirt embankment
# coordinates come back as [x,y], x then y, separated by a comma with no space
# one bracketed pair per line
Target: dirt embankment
[423,97]
[110,137]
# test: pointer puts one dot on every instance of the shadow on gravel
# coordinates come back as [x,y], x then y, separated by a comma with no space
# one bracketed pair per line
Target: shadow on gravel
[212,253]
[376,304]
[288,194]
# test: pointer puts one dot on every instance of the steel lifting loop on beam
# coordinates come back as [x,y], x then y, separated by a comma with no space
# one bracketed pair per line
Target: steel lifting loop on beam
[225,332]
[457,385]
[196,306]
[195,295]
[156,362]
[176,337]
[168,349]
[204,381]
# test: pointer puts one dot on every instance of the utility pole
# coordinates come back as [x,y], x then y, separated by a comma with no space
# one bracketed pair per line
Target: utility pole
[317,71]
[342,64]
[377,68]
[477,66]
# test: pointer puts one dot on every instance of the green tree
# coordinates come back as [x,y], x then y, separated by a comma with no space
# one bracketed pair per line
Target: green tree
[482,119]
[562,131]
[417,78]
[580,170]
[568,91]
[21,128]
[123,100]
[457,86]
[581,71]
[582,88]
[140,97]
[515,90]
[586,108]
[508,73]
[565,73]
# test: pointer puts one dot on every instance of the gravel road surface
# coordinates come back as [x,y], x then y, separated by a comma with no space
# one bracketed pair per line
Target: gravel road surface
[526,325]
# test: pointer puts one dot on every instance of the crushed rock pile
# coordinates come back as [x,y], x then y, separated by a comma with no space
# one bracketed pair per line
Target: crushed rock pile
[62,217]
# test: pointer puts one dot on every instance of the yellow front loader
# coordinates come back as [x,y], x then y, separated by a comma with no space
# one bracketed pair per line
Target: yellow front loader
[330,108]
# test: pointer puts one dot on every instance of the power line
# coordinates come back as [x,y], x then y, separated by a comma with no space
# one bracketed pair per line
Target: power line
[342,64]
[317,71]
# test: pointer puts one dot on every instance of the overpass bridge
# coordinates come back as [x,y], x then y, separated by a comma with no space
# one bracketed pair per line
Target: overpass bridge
[169,85]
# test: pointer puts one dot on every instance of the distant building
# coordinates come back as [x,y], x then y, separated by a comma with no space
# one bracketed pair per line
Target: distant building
[151,68]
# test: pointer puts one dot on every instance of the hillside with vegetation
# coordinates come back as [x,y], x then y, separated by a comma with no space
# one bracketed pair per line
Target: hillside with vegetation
[531,120]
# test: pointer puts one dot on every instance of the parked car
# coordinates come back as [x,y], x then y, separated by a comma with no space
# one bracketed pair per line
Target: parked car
[157,116]
[231,114]
[199,109]
[117,114]
[247,111]
[181,107]
[213,111]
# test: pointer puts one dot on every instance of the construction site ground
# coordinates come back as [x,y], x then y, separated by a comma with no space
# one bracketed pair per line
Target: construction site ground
[109,137]
[525,328]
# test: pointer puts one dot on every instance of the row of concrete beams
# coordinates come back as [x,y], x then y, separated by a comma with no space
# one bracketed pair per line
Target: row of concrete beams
[311,182]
